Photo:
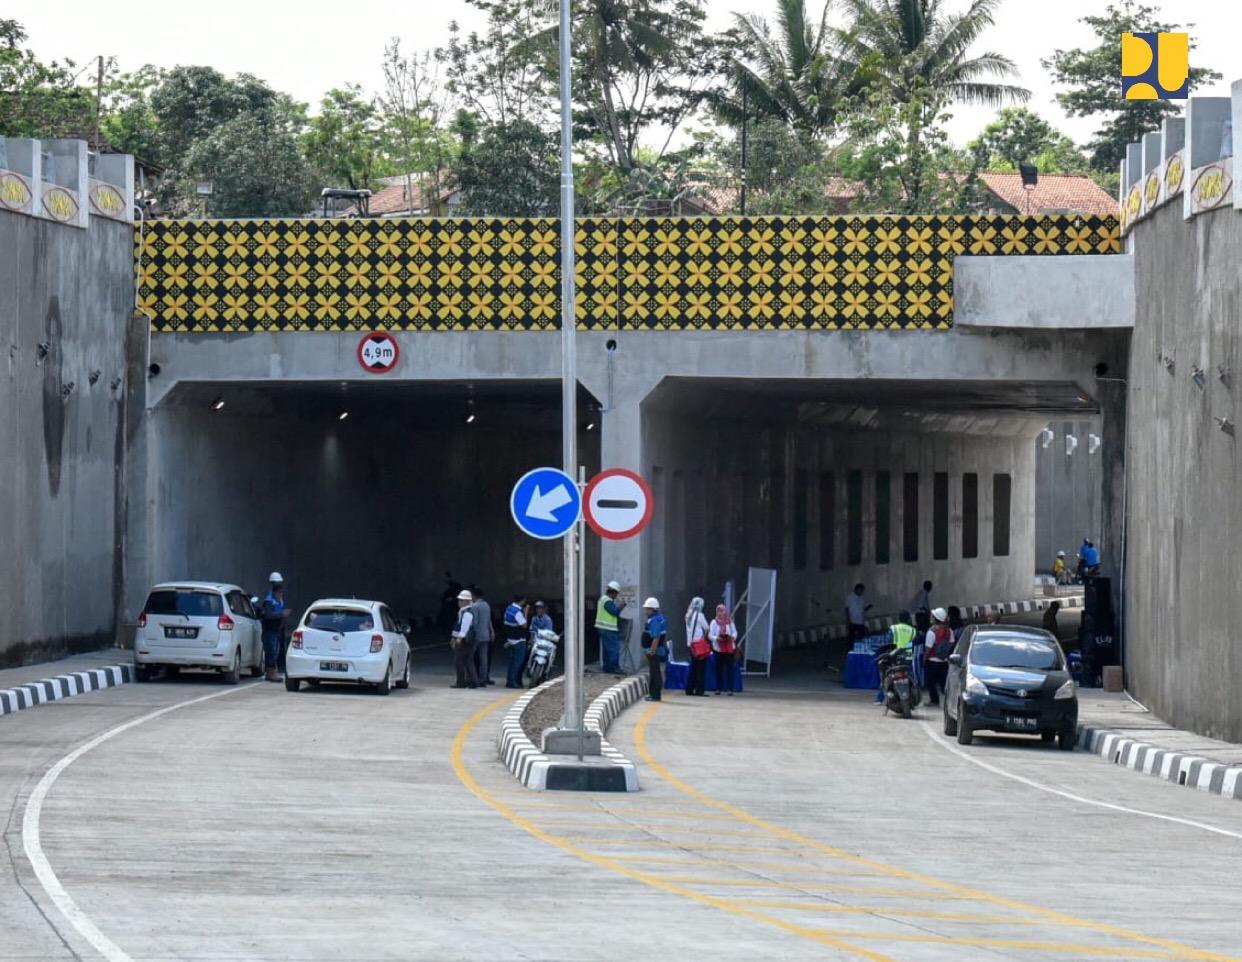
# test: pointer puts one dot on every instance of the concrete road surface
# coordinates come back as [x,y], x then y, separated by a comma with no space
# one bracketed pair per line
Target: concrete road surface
[186,820]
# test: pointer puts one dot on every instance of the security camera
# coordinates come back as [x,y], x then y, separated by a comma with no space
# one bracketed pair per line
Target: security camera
[153,370]
[1101,369]
[611,346]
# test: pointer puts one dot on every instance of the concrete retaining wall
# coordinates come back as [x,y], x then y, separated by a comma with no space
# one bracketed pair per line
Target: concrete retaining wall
[66,295]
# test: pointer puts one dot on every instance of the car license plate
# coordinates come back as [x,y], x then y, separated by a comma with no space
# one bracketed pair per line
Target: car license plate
[1022,724]
[180,632]
[334,666]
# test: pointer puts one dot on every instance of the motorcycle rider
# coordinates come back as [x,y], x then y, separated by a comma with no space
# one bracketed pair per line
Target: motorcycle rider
[901,637]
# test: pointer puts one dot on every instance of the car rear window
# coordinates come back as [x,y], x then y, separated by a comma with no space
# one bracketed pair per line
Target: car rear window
[1015,653]
[193,604]
[339,619]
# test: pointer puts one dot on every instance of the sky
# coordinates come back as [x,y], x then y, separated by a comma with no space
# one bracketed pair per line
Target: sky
[305,47]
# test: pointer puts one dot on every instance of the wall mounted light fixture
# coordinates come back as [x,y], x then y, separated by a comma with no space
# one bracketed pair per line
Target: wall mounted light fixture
[1093,443]
[1046,437]
[1071,444]
[1225,425]
[1198,376]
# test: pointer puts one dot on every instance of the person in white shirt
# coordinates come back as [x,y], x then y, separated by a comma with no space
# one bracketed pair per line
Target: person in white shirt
[700,647]
[463,641]
[856,609]
[723,636]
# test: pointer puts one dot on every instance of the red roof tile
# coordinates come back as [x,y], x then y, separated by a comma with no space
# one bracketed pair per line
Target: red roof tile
[1072,192]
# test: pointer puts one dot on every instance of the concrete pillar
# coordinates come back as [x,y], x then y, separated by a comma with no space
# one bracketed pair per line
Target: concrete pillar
[1172,137]
[1152,147]
[1236,114]
[22,156]
[66,180]
[1206,118]
[1134,166]
[113,171]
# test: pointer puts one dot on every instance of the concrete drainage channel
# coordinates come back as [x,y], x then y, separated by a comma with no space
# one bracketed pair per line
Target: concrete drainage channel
[611,772]
[1172,766]
[63,686]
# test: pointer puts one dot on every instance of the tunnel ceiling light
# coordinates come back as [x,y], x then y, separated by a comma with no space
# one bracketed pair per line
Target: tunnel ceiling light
[591,426]
[470,412]
[342,416]
[218,404]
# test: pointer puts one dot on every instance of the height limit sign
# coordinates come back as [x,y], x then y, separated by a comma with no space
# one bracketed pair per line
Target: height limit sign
[378,352]
[617,504]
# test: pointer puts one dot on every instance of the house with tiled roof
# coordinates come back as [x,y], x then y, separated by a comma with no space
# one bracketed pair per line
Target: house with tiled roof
[404,197]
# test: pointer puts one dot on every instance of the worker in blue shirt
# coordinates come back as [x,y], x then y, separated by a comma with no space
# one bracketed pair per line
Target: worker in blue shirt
[541,620]
[272,617]
[1089,556]
[608,626]
[655,643]
[515,629]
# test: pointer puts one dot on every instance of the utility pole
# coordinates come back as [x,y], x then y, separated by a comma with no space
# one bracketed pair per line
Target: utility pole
[569,388]
[99,77]
[745,106]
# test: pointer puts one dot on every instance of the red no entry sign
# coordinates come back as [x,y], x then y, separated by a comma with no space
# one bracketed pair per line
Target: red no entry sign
[378,352]
[617,504]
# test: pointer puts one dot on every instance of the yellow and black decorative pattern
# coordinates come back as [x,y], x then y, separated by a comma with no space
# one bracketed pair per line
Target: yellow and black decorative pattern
[814,273]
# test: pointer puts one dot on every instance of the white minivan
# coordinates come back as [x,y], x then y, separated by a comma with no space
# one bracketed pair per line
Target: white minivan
[198,624]
[347,640]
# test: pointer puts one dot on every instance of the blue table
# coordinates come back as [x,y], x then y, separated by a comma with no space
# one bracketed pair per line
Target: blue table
[861,671]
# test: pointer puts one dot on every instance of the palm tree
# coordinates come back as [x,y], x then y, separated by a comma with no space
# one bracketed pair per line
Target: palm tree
[792,74]
[908,46]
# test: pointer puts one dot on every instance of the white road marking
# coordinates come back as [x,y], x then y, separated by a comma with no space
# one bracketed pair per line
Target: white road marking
[34,847]
[1070,795]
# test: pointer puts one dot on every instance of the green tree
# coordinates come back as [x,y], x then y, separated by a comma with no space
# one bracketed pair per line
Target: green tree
[344,144]
[900,155]
[791,73]
[1093,78]
[640,65]
[39,99]
[1019,136]
[130,124]
[787,170]
[255,164]
[416,106]
[510,171]
[501,75]
[916,49]
[192,103]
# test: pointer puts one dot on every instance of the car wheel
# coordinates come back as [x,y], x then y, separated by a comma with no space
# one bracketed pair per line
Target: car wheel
[385,686]
[232,676]
[1065,739]
[950,726]
[965,733]
[292,684]
[1047,737]
[142,673]
[404,681]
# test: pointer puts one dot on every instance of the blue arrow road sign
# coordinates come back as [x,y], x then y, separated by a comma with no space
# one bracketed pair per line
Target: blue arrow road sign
[545,503]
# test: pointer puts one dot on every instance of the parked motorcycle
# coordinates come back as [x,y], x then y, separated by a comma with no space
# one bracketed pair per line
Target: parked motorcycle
[542,657]
[901,691]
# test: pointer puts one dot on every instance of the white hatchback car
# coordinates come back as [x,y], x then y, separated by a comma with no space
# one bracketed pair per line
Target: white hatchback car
[198,624]
[347,640]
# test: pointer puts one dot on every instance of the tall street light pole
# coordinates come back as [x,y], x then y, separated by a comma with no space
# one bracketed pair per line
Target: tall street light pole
[569,388]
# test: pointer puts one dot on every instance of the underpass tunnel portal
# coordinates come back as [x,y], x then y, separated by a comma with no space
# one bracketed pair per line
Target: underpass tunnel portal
[368,490]
[887,483]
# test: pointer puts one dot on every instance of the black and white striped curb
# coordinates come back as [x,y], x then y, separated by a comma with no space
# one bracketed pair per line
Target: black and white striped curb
[530,766]
[797,637]
[1179,768]
[63,686]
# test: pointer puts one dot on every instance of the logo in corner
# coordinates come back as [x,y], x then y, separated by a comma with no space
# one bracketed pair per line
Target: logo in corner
[1155,66]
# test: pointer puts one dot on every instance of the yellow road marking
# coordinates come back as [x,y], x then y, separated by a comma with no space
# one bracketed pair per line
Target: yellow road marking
[612,865]
[762,883]
[592,829]
[1068,948]
[962,891]
[703,861]
[882,911]
[681,847]
[540,801]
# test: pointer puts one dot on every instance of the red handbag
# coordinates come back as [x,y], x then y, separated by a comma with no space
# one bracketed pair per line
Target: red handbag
[700,648]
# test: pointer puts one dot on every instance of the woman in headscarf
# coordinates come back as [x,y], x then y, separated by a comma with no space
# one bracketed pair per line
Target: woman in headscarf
[700,647]
[723,637]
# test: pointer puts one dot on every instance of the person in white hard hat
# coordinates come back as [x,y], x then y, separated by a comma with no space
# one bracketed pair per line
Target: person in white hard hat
[272,615]
[938,646]
[655,644]
[608,626]
[1060,570]
[463,641]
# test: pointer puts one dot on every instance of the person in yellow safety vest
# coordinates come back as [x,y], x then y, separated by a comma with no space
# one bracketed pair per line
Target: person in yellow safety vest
[1060,571]
[902,635]
[608,624]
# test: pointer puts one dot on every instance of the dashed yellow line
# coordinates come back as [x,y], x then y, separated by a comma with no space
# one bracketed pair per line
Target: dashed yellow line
[1174,949]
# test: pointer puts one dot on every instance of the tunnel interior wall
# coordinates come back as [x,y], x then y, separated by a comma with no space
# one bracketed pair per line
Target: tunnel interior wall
[776,494]
[1068,491]
[66,295]
[374,507]
[1184,509]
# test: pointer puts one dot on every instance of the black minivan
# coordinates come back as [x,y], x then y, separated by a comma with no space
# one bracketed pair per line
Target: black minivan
[1010,679]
